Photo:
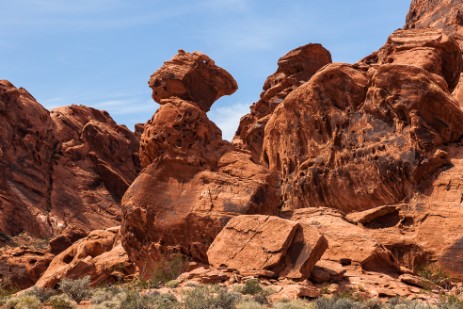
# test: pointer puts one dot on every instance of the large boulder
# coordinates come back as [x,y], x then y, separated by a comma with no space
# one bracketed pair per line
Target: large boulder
[250,245]
[193,182]
[294,69]
[348,244]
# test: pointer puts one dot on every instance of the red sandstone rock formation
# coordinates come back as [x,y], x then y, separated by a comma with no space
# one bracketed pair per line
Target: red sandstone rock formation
[360,136]
[21,267]
[193,181]
[99,255]
[68,166]
[267,246]
[294,69]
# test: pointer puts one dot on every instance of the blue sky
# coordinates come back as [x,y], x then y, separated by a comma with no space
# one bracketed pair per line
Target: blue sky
[101,52]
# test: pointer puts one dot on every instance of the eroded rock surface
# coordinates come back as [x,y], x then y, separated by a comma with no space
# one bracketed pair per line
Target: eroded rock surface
[68,166]
[21,267]
[252,245]
[294,69]
[358,136]
[100,255]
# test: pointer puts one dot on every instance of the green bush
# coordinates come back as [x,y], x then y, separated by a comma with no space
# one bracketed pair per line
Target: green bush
[251,287]
[210,297]
[42,294]
[61,301]
[172,284]
[77,289]
[23,302]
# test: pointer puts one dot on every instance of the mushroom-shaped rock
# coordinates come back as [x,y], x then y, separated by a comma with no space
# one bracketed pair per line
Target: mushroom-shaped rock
[193,77]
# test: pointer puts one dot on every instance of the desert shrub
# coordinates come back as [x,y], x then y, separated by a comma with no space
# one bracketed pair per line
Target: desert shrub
[101,295]
[108,298]
[165,270]
[172,284]
[77,289]
[134,300]
[436,275]
[42,294]
[251,287]
[450,302]
[210,297]
[294,304]
[23,302]
[61,301]
[250,304]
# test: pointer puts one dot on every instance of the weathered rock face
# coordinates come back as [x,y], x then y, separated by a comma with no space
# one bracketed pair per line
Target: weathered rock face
[193,182]
[94,163]
[251,245]
[365,134]
[100,255]
[294,69]
[68,166]
[430,49]
[21,267]
[26,142]
[192,77]
[444,14]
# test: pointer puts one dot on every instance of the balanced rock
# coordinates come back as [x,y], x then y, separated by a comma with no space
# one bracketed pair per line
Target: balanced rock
[294,69]
[193,182]
[192,77]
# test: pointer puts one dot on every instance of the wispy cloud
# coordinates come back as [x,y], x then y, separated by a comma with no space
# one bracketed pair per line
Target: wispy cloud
[227,118]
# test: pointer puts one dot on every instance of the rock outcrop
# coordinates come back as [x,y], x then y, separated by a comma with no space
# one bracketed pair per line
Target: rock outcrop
[444,14]
[66,167]
[26,142]
[21,267]
[193,182]
[294,69]
[359,136]
[99,255]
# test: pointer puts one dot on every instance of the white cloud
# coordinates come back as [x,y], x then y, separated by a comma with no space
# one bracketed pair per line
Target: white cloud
[227,118]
